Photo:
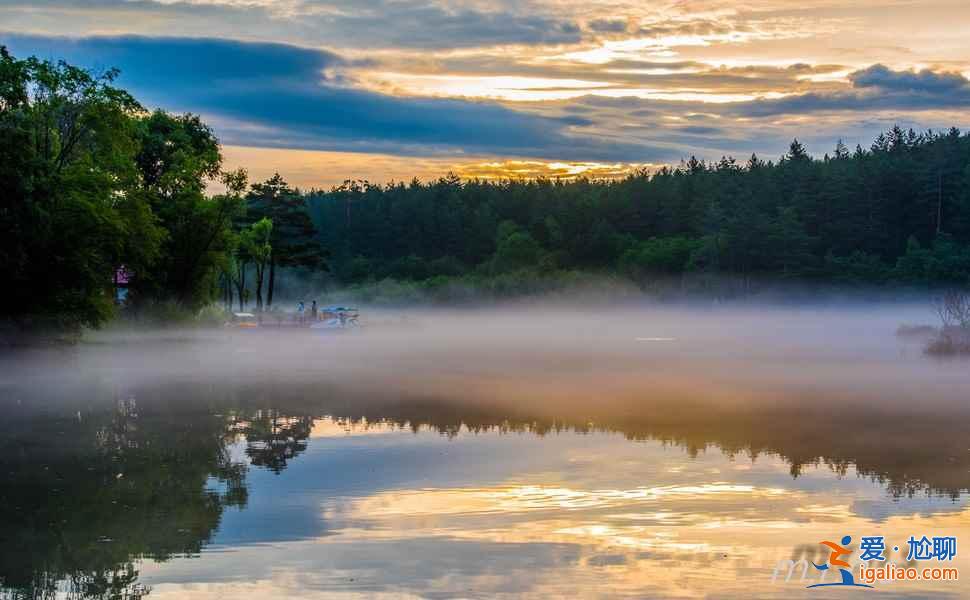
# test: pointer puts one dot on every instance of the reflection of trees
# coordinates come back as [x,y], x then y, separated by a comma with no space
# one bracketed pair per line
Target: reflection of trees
[906,452]
[82,497]
[909,450]
[272,438]
[85,495]
[120,583]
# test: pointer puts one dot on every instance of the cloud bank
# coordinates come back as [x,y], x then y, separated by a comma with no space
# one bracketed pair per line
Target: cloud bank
[277,95]
[593,83]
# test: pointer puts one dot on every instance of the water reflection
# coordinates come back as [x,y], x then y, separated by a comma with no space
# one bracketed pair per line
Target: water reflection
[515,456]
[83,496]
[103,492]
[273,438]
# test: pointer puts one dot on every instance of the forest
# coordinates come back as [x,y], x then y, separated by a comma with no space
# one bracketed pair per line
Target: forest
[895,213]
[100,194]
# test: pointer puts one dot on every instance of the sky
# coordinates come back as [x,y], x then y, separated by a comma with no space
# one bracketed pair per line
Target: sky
[329,90]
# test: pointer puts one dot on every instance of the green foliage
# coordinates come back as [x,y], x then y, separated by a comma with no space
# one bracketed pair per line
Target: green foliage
[912,266]
[67,144]
[407,267]
[177,155]
[91,182]
[858,267]
[385,292]
[446,266]
[256,243]
[356,269]
[514,248]
[169,313]
[945,261]
[790,244]
[294,236]
[477,287]
[847,217]
[658,256]
[251,246]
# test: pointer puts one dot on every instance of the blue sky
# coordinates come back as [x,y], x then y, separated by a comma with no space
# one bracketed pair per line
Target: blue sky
[381,89]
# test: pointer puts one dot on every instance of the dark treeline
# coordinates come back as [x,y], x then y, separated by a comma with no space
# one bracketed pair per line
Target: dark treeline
[105,206]
[896,212]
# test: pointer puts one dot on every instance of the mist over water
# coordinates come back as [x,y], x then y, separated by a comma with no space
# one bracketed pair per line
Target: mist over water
[547,359]
[521,450]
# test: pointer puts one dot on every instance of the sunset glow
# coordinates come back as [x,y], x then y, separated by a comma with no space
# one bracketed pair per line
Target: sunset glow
[332,90]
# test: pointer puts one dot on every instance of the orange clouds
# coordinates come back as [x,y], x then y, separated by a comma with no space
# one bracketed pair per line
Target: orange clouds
[319,169]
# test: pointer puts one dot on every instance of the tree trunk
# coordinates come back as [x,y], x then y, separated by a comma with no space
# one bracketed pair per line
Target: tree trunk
[259,287]
[939,204]
[227,291]
[241,287]
[272,282]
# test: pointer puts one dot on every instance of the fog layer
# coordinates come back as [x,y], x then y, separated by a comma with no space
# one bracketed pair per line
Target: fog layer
[834,358]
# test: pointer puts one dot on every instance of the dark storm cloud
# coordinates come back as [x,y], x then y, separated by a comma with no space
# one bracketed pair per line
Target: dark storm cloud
[275,95]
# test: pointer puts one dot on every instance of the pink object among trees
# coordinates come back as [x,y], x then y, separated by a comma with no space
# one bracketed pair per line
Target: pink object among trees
[122,275]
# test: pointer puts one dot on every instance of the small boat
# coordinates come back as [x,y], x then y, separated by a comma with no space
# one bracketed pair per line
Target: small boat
[337,317]
[243,320]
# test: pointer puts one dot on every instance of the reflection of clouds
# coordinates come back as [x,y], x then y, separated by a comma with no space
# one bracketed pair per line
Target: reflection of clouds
[535,497]
[542,510]
[729,382]
[826,511]
[925,506]
[331,427]
[491,499]
[640,538]
[570,514]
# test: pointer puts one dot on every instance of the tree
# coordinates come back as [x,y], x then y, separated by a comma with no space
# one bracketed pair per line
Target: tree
[236,267]
[797,152]
[229,267]
[798,217]
[658,256]
[260,250]
[250,247]
[294,237]
[178,155]
[790,246]
[515,249]
[66,169]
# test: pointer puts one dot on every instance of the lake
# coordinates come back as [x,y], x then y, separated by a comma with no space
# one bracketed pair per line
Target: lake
[532,451]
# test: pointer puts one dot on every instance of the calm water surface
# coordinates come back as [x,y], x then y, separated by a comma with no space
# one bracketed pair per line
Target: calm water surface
[664,455]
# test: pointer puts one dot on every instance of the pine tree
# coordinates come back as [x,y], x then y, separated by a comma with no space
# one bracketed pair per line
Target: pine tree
[294,237]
